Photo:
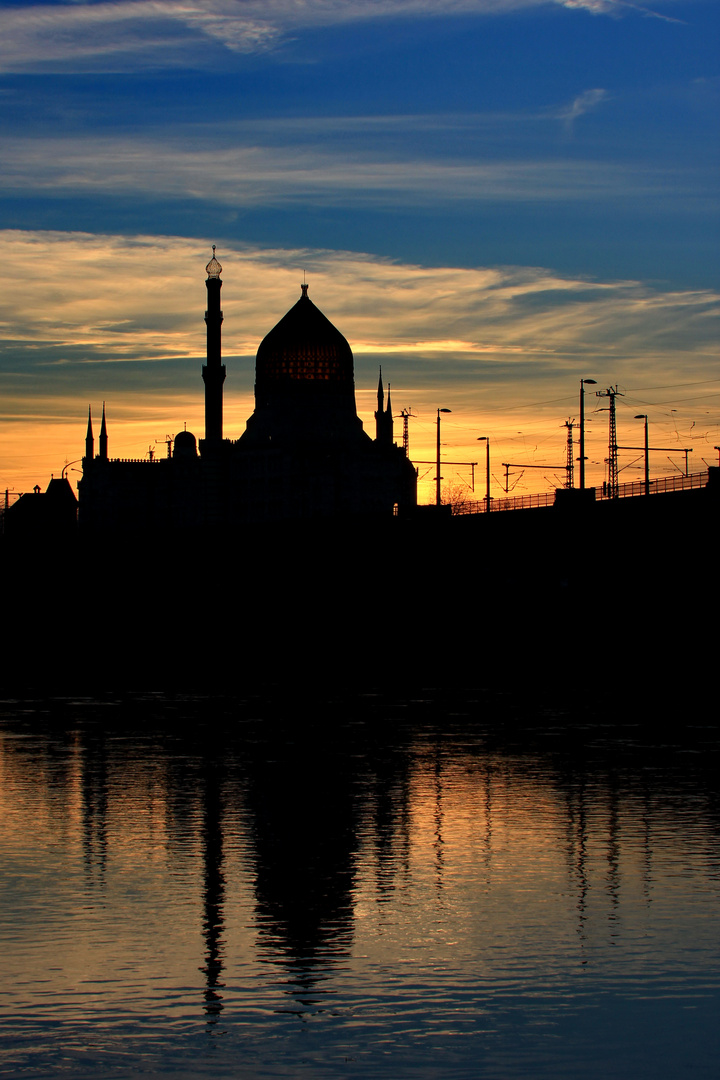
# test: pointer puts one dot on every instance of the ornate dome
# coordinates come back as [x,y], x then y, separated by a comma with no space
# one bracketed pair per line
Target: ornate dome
[213,268]
[304,384]
[303,347]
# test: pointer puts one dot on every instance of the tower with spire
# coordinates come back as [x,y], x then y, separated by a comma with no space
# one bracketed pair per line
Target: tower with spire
[213,371]
[103,437]
[383,416]
[89,438]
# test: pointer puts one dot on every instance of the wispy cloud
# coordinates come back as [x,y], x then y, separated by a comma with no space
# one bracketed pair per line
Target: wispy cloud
[589,99]
[161,32]
[617,7]
[119,298]
[168,32]
[251,175]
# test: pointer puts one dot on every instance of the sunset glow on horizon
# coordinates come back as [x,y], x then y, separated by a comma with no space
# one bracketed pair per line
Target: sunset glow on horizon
[122,322]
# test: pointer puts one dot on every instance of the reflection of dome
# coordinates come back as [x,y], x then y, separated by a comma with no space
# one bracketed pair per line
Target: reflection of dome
[303,347]
[185,445]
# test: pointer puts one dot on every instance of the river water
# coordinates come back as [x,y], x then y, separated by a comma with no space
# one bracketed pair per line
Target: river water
[423,884]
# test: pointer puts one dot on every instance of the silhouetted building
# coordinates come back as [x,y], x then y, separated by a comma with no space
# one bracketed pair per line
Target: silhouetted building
[43,517]
[303,456]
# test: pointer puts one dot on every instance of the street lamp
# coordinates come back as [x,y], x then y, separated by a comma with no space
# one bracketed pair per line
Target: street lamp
[583,384]
[438,499]
[67,466]
[486,440]
[643,416]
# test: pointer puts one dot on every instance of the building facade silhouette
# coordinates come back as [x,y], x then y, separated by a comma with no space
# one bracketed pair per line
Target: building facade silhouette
[304,455]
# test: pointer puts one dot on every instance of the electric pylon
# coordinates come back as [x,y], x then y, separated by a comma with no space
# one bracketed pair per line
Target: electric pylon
[406,414]
[612,459]
[570,466]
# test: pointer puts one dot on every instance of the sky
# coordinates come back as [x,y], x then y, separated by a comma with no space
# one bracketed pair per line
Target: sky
[490,198]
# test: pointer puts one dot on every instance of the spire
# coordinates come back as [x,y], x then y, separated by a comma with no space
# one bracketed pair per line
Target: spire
[383,416]
[103,437]
[89,438]
[388,421]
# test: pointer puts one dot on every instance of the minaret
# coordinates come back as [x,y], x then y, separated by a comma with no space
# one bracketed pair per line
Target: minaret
[213,372]
[383,417]
[89,438]
[103,438]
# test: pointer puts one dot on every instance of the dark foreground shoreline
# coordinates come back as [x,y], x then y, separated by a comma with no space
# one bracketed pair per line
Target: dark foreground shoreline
[588,610]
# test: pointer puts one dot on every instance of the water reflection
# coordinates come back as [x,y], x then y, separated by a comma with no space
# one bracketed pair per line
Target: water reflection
[391,875]
[213,888]
[93,763]
[303,825]
[577,849]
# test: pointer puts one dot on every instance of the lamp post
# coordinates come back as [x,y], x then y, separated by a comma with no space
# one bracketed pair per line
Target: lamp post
[486,440]
[583,383]
[643,416]
[438,499]
[67,466]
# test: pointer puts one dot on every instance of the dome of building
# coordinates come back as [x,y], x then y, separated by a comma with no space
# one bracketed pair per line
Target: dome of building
[303,347]
[304,384]
[185,445]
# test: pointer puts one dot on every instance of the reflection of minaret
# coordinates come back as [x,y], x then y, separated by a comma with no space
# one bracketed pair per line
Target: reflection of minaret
[213,372]
[213,894]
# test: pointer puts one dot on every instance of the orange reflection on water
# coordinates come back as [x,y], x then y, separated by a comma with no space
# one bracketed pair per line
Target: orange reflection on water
[396,889]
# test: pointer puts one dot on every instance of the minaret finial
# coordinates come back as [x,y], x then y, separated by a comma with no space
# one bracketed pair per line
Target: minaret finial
[304,288]
[213,268]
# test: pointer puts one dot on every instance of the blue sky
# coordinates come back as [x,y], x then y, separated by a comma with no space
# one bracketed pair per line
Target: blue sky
[399,151]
